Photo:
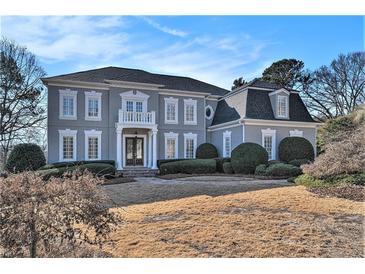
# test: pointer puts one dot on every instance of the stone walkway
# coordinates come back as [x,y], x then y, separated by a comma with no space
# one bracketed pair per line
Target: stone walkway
[149,190]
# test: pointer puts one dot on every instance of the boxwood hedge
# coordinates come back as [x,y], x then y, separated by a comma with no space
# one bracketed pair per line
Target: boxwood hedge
[25,157]
[247,156]
[291,148]
[196,166]
[206,151]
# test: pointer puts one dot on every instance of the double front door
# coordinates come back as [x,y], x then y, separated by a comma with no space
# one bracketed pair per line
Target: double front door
[134,151]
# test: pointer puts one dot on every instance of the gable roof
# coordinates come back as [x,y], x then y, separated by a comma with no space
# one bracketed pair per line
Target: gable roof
[140,76]
[258,106]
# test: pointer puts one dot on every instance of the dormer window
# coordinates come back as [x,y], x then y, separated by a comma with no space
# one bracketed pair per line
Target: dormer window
[282,106]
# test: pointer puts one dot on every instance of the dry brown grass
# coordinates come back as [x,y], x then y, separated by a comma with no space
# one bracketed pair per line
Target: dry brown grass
[280,222]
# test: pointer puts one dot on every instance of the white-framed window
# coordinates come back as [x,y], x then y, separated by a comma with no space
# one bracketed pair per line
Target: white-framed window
[227,144]
[92,106]
[189,145]
[171,110]
[171,145]
[209,112]
[190,112]
[269,142]
[296,133]
[67,145]
[282,106]
[68,104]
[134,101]
[92,144]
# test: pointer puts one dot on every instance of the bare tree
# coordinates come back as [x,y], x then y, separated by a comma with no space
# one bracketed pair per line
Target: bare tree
[21,94]
[335,90]
[48,218]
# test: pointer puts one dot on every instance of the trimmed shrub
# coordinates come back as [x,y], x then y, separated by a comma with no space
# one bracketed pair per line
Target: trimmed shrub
[344,179]
[247,156]
[299,162]
[260,170]
[227,168]
[25,157]
[283,170]
[76,163]
[273,162]
[97,169]
[220,162]
[164,161]
[206,151]
[196,166]
[291,148]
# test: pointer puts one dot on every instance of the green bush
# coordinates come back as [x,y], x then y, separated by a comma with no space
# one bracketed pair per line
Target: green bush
[299,162]
[97,169]
[261,170]
[206,151]
[227,168]
[247,156]
[344,179]
[164,161]
[273,162]
[291,148]
[283,170]
[76,163]
[220,162]
[196,166]
[25,157]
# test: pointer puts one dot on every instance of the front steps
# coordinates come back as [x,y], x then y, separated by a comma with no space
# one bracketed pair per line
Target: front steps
[138,172]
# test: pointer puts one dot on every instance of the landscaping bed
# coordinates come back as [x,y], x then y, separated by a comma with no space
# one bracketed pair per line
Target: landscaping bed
[351,192]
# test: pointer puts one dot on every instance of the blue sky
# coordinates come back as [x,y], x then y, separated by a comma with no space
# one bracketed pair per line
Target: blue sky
[216,49]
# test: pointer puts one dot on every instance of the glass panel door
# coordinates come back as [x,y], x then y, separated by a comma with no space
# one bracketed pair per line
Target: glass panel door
[134,151]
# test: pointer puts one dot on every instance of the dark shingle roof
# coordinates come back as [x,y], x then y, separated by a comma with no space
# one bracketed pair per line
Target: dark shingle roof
[141,76]
[258,83]
[258,106]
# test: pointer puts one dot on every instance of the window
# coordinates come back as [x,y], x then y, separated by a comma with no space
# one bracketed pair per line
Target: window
[67,145]
[92,106]
[171,145]
[134,101]
[269,142]
[295,133]
[282,106]
[171,110]
[129,106]
[139,107]
[190,112]
[227,144]
[134,106]
[209,112]
[189,145]
[92,145]
[68,103]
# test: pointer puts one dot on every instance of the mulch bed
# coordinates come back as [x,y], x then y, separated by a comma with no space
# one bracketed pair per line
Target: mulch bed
[354,193]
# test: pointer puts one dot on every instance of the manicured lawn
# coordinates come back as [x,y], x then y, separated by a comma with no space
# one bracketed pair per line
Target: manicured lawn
[277,222]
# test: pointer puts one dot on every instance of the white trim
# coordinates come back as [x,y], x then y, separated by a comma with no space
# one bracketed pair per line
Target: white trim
[92,133]
[286,99]
[295,133]
[190,136]
[225,135]
[67,93]
[184,94]
[75,84]
[260,122]
[67,133]
[211,112]
[279,91]
[272,133]
[175,101]
[224,127]
[144,148]
[92,95]
[174,136]
[193,103]
[134,95]
[243,132]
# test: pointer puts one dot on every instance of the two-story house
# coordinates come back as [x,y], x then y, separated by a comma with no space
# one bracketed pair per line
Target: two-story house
[135,117]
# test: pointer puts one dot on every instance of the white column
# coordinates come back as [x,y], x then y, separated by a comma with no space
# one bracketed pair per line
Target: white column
[119,149]
[154,146]
[149,164]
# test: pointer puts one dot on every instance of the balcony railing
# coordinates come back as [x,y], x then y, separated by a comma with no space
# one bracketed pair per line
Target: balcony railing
[141,118]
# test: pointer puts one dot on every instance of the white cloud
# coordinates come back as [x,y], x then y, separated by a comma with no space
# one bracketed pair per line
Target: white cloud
[164,29]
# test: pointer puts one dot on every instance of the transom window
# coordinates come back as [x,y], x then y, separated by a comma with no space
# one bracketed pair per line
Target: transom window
[227,146]
[190,111]
[67,145]
[68,103]
[282,106]
[190,145]
[92,145]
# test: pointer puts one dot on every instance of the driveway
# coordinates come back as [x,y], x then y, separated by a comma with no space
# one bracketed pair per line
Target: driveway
[149,190]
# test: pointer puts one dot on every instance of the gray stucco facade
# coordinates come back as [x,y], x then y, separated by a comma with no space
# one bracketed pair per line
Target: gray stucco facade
[244,115]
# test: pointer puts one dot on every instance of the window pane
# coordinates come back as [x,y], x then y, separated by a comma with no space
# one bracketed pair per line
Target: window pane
[129,106]
[227,146]
[68,147]
[268,145]
[68,106]
[189,148]
[93,147]
[170,149]
[189,113]
[93,107]
[170,112]
[282,106]
[139,107]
